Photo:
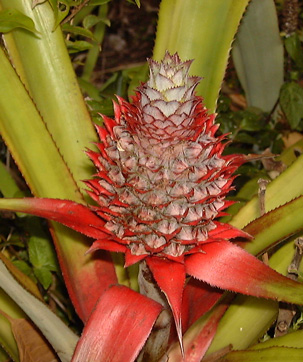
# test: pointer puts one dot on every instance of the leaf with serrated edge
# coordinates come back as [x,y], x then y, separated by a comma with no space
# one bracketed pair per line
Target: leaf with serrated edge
[229,267]
[198,338]
[275,226]
[68,213]
[268,354]
[170,277]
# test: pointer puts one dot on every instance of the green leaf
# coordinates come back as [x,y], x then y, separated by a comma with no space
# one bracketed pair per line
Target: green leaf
[294,49]
[8,186]
[293,339]
[136,2]
[244,137]
[90,20]
[291,100]
[200,30]
[98,2]
[78,46]
[44,276]
[258,55]
[60,12]
[273,354]
[7,340]
[11,19]
[25,268]
[252,120]
[41,253]
[78,30]
[275,226]
[3,355]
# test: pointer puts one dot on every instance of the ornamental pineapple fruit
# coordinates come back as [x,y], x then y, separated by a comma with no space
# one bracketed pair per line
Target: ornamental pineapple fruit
[162,179]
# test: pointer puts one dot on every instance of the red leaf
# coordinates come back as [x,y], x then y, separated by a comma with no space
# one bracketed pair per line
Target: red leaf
[227,266]
[226,231]
[198,299]
[199,337]
[86,279]
[118,327]
[68,213]
[170,277]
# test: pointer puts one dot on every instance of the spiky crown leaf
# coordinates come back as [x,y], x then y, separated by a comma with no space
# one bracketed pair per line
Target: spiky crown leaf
[162,179]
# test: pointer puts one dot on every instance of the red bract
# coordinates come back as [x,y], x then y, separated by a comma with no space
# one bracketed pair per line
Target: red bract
[161,183]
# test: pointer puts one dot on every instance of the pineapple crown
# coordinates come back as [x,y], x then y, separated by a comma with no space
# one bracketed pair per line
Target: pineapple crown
[166,102]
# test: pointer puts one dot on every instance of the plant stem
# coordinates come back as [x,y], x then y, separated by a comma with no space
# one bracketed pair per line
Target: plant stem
[157,342]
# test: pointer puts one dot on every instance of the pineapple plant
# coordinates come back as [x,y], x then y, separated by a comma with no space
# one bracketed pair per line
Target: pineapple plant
[160,186]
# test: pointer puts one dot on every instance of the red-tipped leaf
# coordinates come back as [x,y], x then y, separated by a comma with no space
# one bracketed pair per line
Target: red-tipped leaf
[118,327]
[227,266]
[199,337]
[170,277]
[198,299]
[76,216]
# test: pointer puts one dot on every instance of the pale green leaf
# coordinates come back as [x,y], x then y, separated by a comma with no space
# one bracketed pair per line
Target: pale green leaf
[78,46]
[56,332]
[258,55]
[90,20]
[44,276]
[273,354]
[98,2]
[294,49]
[78,30]
[203,31]
[25,268]
[41,253]
[11,19]
[8,186]
[3,355]
[291,100]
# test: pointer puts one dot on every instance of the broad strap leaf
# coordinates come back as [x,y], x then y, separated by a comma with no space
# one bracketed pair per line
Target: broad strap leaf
[227,266]
[170,277]
[199,337]
[266,354]
[118,327]
[198,299]
[87,280]
[66,212]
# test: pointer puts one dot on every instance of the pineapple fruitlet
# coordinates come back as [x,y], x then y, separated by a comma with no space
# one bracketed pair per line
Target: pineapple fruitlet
[161,183]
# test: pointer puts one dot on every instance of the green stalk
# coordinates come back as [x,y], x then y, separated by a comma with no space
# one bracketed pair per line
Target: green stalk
[27,137]
[202,30]
[93,53]
[58,165]
[43,63]
[47,175]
